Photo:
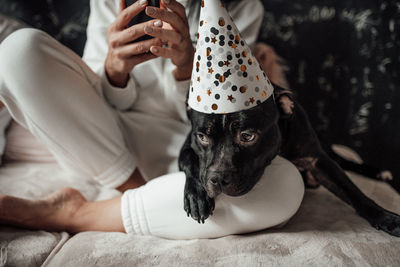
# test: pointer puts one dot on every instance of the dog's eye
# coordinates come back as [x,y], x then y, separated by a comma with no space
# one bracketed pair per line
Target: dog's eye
[203,139]
[247,136]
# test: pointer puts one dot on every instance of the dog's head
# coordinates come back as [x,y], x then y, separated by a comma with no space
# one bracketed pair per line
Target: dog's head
[234,148]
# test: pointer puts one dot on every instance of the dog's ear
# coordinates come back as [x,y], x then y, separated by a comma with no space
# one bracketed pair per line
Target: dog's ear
[284,100]
[188,108]
[189,112]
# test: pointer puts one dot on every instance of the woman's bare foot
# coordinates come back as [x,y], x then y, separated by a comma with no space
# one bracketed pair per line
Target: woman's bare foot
[56,212]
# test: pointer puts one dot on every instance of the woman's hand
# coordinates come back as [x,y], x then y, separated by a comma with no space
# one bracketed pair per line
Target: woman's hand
[175,32]
[123,54]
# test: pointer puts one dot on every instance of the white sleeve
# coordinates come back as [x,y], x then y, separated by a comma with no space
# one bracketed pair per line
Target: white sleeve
[157,207]
[247,15]
[102,14]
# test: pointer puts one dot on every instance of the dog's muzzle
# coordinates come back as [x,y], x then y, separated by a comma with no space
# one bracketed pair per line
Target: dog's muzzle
[224,182]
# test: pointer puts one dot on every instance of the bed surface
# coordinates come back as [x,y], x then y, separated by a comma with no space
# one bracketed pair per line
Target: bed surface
[325,231]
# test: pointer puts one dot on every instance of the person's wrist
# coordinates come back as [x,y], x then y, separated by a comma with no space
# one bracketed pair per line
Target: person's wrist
[117,79]
[183,73]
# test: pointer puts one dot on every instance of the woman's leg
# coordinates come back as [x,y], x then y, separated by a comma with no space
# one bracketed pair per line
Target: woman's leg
[157,208]
[49,90]
[64,210]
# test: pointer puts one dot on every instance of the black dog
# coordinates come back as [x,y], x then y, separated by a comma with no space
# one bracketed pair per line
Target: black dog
[227,153]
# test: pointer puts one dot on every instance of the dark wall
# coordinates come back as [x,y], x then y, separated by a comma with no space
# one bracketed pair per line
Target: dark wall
[345,66]
[66,20]
[342,55]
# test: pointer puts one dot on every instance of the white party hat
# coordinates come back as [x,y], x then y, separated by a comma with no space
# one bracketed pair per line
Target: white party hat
[226,76]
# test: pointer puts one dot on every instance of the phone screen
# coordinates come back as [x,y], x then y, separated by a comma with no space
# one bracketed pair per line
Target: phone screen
[142,17]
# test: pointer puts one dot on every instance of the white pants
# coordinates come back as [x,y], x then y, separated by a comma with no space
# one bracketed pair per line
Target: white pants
[50,91]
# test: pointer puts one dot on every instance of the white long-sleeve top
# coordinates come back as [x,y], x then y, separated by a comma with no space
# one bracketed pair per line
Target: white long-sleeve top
[152,89]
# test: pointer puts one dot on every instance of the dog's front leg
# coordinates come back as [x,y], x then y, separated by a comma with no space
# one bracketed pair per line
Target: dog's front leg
[330,175]
[197,203]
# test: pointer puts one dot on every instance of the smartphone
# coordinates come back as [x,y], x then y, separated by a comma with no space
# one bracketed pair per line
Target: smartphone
[142,17]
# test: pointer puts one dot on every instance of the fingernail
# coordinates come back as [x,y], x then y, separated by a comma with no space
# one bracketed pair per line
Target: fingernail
[148,29]
[143,2]
[154,49]
[167,1]
[150,10]
[158,23]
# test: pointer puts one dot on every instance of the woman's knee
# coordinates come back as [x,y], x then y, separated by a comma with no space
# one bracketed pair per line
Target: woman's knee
[21,46]
[22,54]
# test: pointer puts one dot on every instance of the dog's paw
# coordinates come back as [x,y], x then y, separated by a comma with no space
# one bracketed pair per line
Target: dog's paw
[388,222]
[198,204]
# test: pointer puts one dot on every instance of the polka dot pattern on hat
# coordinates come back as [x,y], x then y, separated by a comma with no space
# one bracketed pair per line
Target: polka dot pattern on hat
[226,76]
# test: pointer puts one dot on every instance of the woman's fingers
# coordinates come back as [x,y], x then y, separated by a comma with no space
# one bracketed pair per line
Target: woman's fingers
[122,6]
[142,58]
[166,52]
[176,34]
[176,7]
[167,35]
[127,14]
[170,17]
[134,49]
[132,33]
